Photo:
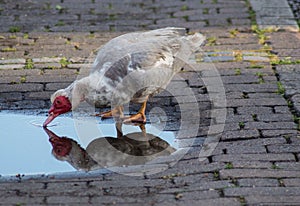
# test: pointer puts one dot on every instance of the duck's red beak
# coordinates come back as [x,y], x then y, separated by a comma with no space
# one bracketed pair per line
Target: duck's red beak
[60,106]
[51,116]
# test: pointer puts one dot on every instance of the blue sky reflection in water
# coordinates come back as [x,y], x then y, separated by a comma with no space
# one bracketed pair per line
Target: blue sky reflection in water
[25,149]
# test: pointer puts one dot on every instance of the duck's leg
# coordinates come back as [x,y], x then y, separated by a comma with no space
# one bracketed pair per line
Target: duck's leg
[119,129]
[139,117]
[115,112]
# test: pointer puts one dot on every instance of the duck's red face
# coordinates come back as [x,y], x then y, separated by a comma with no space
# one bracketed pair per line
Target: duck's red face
[61,146]
[60,105]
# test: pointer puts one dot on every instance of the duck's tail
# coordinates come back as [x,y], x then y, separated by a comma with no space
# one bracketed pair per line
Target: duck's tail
[195,41]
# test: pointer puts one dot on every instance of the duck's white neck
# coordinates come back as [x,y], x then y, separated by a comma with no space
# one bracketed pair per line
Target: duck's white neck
[75,92]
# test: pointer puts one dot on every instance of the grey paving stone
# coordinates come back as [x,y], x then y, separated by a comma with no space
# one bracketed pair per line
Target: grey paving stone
[256,102]
[11,96]
[11,66]
[253,157]
[284,148]
[296,103]
[272,200]
[22,88]
[252,164]
[23,72]
[263,182]
[241,134]
[14,200]
[258,173]
[251,88]
[237,149]
[56,86]
[274,117]
[64,199]
[292,182]
[261,191]
[288,165]
[279,133]
[282,110]
[254,110]
[271,125]
[194,195]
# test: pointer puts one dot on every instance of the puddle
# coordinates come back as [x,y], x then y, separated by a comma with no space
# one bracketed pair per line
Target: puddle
[27,148]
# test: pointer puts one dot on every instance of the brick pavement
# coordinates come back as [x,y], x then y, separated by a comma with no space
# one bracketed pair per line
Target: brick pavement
[256,159]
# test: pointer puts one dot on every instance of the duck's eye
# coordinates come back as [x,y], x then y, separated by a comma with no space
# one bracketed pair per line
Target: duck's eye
[58,102]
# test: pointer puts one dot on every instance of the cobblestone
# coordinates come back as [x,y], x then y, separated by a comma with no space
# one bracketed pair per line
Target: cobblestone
[254,161]
[258,182]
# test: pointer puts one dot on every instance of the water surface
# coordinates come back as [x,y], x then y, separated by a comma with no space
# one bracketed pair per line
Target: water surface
[25,147]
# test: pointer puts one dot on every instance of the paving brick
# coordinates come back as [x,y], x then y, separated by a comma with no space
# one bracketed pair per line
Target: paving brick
[248,157]
[250,164]
[291,182]
[198,186]
[261,191]
[45,95]
[250,88]
[237,149]
[13,61]
[255,182]
[274,117]
[256,102]
[262,95]
[63,199]
[241,134]
[282,110]
[243,79]
[24,104]
[11,96]
[106,199]
[17,200]
[10,80]
[258,173]
[56,86]
[11,66]
[195,195]
[284,148]
[288,165]
[272,200]
[22,88]
[254,110]
[278,133]
[270,125]
[207,202]
[20,72]
[52,78]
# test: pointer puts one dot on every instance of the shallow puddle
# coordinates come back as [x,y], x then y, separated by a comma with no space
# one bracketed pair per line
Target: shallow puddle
[80,144]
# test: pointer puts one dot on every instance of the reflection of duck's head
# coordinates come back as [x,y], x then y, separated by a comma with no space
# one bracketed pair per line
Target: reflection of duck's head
[67,149]
[61,146]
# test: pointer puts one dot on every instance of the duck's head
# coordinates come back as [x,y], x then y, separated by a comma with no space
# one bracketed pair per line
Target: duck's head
[60,105]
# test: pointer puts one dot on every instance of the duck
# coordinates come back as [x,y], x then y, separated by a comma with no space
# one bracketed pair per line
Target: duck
[129,68]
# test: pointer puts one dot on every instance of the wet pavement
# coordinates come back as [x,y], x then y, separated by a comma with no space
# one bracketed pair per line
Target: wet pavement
[242,148]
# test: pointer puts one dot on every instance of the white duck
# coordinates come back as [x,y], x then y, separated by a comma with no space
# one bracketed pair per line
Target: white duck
[130,67]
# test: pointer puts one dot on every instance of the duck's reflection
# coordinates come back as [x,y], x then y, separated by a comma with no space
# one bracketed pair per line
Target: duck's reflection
[130,149]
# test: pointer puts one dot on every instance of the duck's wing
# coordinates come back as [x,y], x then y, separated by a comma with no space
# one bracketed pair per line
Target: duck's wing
[142,43]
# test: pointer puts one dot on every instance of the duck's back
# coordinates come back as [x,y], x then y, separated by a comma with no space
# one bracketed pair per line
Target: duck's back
[139,45]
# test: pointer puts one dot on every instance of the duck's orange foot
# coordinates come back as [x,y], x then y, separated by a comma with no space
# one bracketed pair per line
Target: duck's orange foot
[138,118]
[116,112]
[105,115]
